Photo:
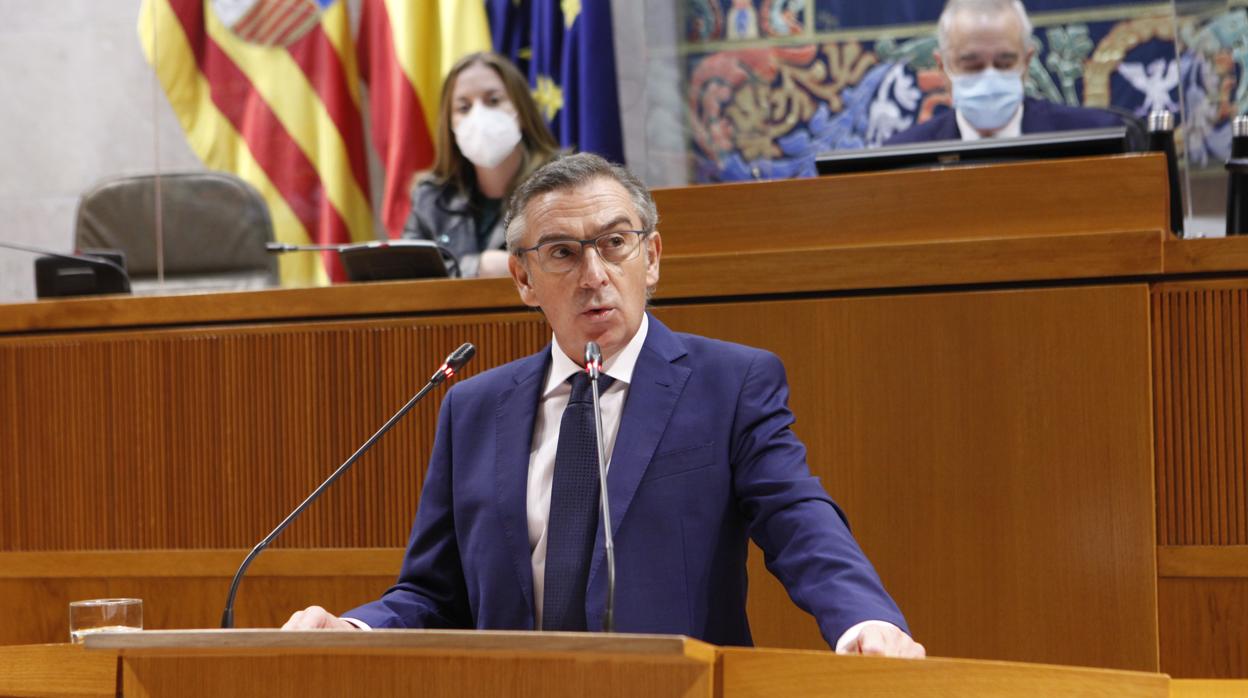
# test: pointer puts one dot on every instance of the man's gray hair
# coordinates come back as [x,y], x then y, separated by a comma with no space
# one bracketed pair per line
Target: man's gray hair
[570,172]
[983,7]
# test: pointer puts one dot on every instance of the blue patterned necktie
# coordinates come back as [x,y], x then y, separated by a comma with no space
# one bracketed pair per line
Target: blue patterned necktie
[573,523]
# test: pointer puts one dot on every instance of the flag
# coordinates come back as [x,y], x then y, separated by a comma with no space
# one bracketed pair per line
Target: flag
[406,49]
[569,57]
[268,90]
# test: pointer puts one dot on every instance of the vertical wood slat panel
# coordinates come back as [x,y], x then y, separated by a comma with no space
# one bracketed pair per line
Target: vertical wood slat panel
[1163,453]
[1200,381]
[135,441]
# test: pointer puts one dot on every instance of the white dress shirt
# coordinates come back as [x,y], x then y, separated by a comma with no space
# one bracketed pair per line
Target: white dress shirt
[546,425]
[1012,128]
[549,417]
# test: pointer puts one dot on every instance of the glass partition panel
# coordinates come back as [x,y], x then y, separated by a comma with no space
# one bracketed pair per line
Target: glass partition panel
[78,109]
[266,97]
[1213,44]
[758,88]
[199,129]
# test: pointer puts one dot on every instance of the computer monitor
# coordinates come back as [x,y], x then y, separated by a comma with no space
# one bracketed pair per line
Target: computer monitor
[1040,146]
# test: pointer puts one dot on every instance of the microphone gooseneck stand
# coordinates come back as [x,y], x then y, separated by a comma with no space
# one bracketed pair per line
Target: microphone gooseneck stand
[593,364]
[453,363]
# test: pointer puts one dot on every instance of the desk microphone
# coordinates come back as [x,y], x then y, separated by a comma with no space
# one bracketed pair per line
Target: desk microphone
[593,365]
[453,363]
[59,274]
[391,251]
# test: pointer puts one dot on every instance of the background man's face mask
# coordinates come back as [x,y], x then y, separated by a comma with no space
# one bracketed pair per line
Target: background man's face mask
[988,98]
[487,135]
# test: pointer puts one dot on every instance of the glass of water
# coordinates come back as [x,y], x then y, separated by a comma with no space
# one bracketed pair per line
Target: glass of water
[104,616]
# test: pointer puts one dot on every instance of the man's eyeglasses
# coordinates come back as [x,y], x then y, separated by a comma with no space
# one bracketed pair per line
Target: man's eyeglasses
[562,256]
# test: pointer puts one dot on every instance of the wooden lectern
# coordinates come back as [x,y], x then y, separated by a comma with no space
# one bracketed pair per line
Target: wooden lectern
[453,664]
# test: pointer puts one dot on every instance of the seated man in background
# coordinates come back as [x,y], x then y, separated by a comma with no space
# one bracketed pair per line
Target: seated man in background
[697,434]
[985,47]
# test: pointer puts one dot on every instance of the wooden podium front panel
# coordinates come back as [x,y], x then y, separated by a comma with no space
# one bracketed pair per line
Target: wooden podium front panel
[443,664]
[56,671]
[381,675]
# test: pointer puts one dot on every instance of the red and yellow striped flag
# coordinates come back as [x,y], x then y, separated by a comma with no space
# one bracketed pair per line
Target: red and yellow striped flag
[268,90]
[406,49]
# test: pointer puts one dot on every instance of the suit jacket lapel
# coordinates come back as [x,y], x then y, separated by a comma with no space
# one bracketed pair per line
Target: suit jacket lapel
[1034,117]
[652,396]
[948,129]
[513,419]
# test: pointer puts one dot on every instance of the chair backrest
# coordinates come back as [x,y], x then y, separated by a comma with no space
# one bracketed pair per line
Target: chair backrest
[215,227]
[1137,130]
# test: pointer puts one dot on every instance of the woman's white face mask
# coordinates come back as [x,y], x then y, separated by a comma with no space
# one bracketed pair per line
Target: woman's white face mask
[487,135]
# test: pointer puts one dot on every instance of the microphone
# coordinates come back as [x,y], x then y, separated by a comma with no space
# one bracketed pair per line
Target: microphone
[453,363]
[392,252]
[281,247]
[1161,140]
[59,274]
[593,365]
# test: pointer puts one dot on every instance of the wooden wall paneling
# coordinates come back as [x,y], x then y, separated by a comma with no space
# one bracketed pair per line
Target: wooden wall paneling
[37,609]
[186,588]
[1204,627]
[422,297]
[1200,346]
[795,267]
[10,515]
[1203,255]
[989,449]
[1024,413]
[1201,379]
[205,438]
[919,264]
[1033,199]
[1202,561]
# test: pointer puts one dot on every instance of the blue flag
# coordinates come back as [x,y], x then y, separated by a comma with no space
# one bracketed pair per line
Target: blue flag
[570,62]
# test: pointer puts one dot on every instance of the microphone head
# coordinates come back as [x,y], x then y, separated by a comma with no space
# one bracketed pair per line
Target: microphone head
[454,362]
[593,359]
[461,356]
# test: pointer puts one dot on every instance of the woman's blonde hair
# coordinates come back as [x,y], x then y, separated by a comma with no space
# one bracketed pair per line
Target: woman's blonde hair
[449,164]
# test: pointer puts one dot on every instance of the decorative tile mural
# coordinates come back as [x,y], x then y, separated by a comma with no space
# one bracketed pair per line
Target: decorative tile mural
[772,83]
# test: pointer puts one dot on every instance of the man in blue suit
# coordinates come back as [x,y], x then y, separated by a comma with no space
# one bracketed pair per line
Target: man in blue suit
[700,451]
[985,47]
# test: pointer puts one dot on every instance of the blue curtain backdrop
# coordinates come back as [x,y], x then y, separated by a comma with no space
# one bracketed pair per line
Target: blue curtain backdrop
[570,62]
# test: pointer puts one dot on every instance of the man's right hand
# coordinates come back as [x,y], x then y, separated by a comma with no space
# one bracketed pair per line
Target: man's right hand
[316,618]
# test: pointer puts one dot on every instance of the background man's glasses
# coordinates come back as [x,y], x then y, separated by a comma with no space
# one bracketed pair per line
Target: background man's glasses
[561,256]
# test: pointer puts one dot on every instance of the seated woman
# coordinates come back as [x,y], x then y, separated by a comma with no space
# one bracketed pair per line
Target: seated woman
[489,137]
